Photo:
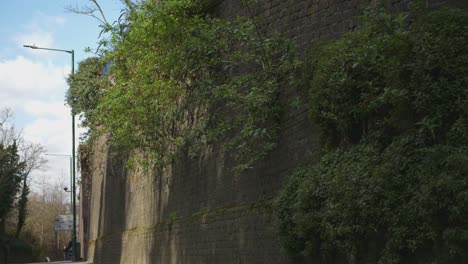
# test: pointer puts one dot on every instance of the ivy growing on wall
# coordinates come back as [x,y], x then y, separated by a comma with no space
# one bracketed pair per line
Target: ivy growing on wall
[184,79]
[86,88]
[391,100]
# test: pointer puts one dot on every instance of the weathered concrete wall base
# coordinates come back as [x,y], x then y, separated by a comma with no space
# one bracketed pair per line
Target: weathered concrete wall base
[229,238]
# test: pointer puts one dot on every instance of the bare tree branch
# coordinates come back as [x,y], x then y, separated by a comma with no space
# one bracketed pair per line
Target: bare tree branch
[100,11]
[87,11]
[31,154]
[8,133]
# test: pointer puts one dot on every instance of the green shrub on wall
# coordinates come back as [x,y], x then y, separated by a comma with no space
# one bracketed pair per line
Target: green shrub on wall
[403,203]
[393,188]
[86,89]
[184,80]
[382,80]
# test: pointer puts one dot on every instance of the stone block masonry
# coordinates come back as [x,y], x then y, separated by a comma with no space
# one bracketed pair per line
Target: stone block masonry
[199,211]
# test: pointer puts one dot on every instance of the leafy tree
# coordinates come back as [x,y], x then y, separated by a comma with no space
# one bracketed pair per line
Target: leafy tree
[86,89]
[22,207]
[30,158]
[10,177]
[38,230]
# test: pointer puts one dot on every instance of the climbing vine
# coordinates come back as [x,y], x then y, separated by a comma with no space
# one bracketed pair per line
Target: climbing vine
[184,80]
[86,89]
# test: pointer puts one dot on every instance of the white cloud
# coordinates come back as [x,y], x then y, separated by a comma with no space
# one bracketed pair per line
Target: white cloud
[36,38]
[51,125]
[53,133]
[43,109]
[23,79]
[34,88]
[35,91]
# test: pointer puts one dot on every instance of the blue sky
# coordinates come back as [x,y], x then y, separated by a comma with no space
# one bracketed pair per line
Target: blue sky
[32,82]
[49,17]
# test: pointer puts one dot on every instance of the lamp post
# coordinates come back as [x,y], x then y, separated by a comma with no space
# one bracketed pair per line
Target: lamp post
[72,52]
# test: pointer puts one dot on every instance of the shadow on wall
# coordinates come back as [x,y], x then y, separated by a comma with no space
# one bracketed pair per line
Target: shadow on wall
[462,4]
[215,215]
[112,213]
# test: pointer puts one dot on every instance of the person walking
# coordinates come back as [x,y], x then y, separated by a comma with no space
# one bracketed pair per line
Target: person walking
[66,251]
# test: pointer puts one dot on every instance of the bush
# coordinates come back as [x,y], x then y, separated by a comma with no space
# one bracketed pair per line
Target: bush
[406,202]
[391,101]
[382,80]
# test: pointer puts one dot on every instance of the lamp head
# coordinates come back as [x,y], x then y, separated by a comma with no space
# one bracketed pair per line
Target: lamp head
[30,46]
[65,188]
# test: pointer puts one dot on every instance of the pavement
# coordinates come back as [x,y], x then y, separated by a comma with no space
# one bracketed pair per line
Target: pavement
[64,261]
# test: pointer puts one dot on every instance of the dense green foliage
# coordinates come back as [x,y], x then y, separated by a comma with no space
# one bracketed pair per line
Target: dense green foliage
[403,203]
[22,207]
[382,80]
[393,187]
[10,177]
[86,88]
[184,79]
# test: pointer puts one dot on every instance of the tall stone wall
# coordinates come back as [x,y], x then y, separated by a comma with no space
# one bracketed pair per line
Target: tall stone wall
[198,210]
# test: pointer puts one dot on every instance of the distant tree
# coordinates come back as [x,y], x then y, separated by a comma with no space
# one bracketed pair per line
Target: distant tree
[18,158]
[11,168]
[22,209]
[8,133]
[43,206]
[32,158]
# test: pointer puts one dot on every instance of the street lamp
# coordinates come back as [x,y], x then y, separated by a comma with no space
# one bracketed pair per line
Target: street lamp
[72,52]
